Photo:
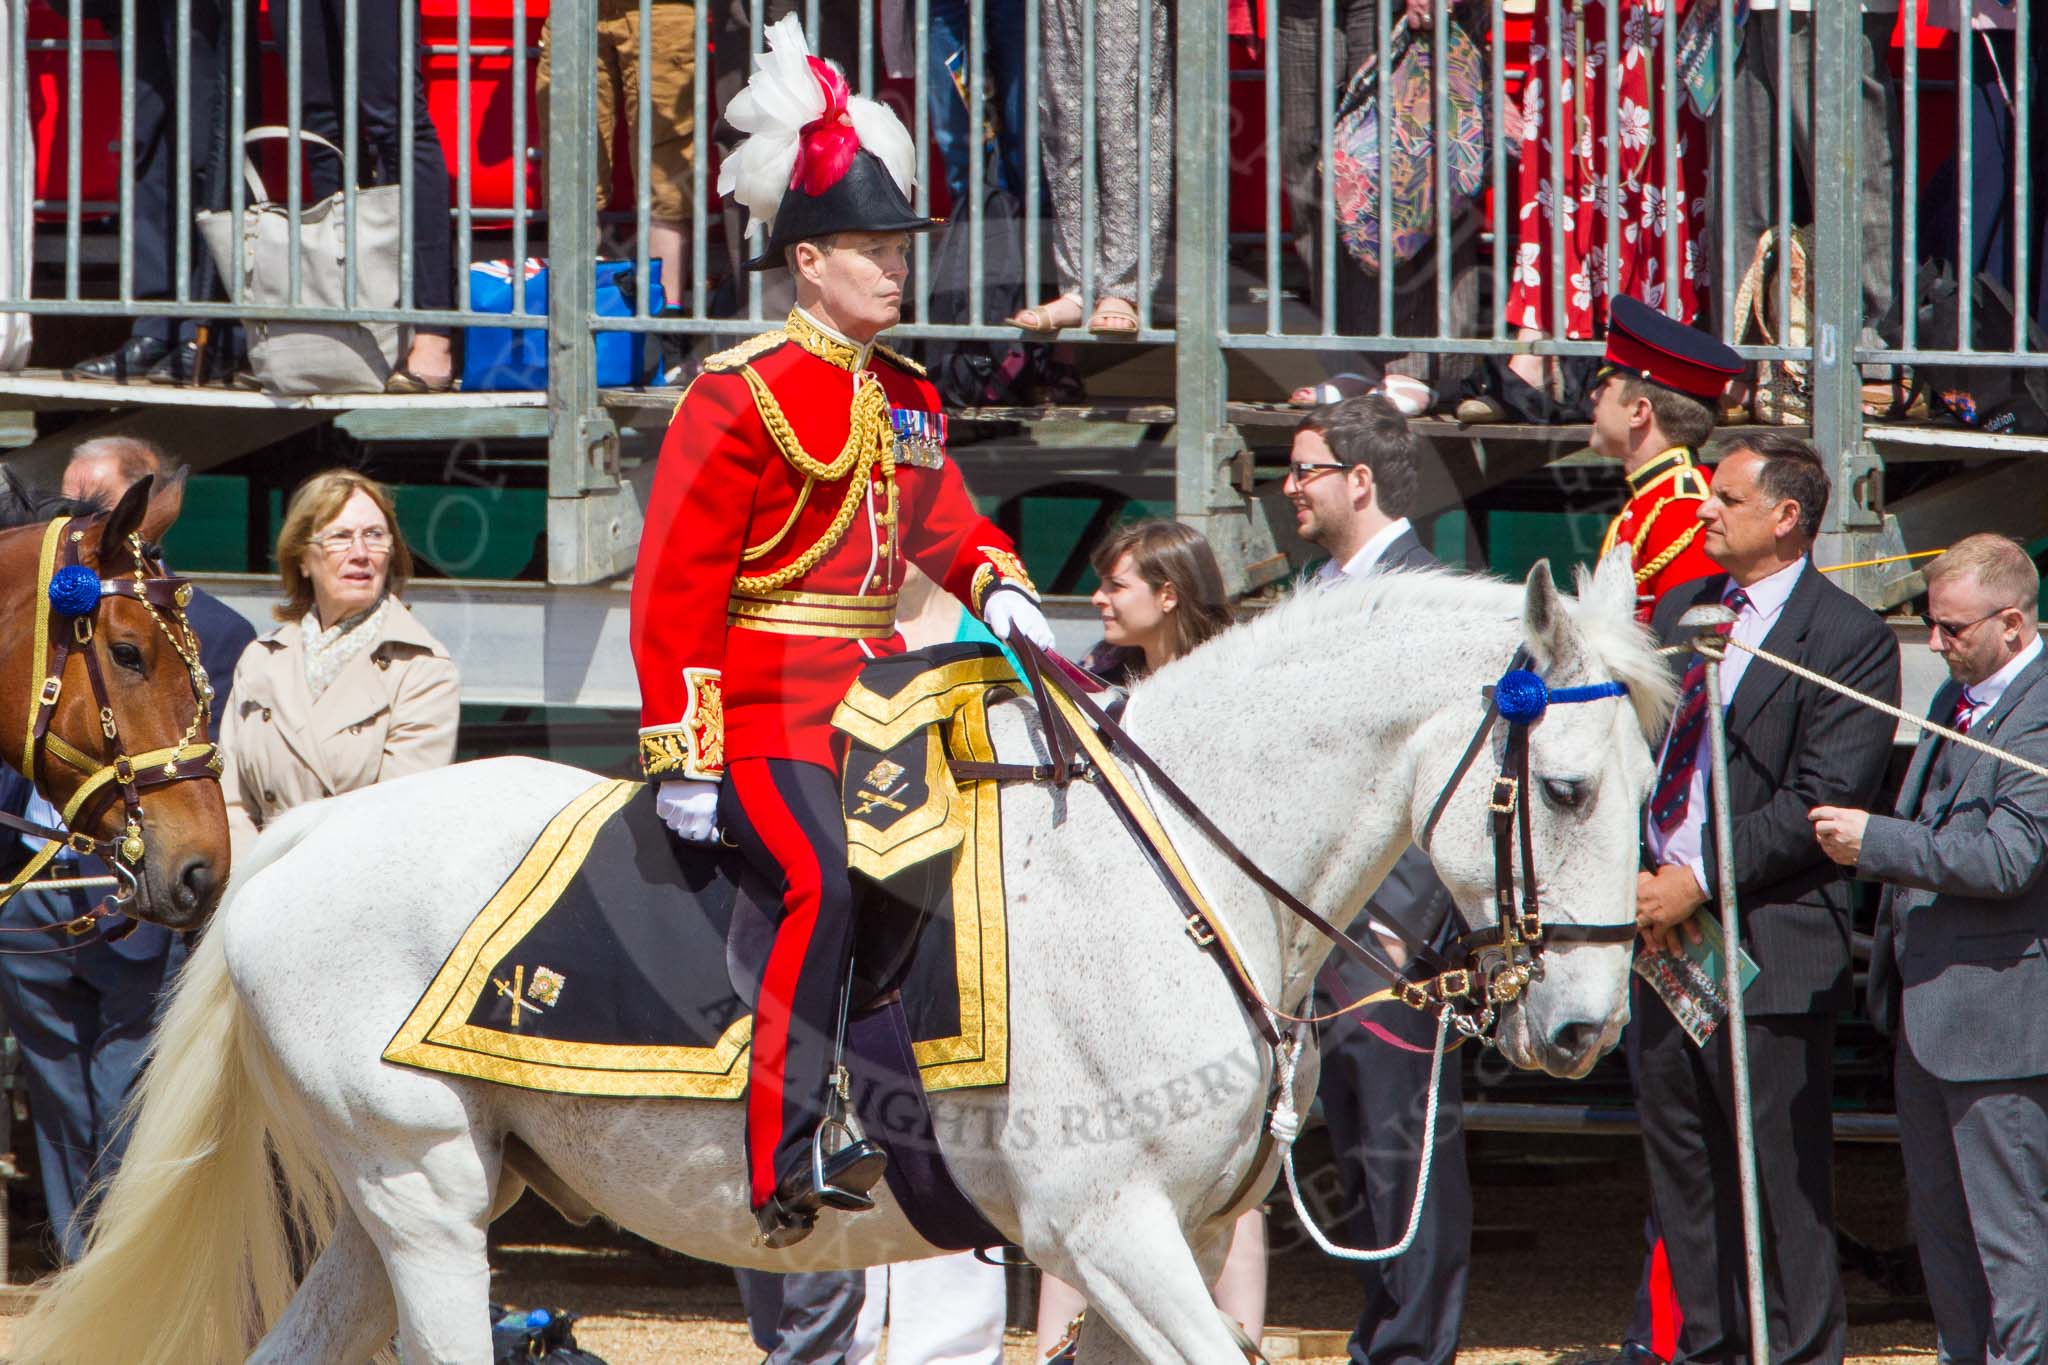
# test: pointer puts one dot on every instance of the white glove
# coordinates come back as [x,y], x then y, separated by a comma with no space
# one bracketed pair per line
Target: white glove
[1008,612]
[690,808]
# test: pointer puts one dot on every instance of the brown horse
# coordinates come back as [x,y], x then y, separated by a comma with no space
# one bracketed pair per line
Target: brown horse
[104,705]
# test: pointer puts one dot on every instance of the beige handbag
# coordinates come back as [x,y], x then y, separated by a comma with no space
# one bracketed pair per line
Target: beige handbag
[313,357]
[1784,388]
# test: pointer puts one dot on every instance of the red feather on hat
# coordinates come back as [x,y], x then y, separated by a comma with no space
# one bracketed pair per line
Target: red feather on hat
[827,145]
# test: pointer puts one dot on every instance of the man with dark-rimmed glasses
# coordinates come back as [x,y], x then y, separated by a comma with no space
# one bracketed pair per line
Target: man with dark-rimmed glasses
[1352,477]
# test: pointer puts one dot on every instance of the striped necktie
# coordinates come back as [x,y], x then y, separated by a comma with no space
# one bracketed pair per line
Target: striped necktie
[1966,711]
[1673,793]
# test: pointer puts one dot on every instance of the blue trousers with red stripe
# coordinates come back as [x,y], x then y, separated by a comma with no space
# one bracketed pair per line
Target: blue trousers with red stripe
[786,817]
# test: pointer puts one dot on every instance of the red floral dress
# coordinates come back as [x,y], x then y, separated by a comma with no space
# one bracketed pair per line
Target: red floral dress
[1649,208]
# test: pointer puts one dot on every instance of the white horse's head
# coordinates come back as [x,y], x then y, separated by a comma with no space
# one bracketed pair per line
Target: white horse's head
[1590,770]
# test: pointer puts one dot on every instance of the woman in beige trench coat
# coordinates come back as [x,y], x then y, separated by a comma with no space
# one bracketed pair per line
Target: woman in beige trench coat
[351,689]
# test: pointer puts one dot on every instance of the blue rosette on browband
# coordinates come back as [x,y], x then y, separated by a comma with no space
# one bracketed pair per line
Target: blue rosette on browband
[74,590]
[1522,697]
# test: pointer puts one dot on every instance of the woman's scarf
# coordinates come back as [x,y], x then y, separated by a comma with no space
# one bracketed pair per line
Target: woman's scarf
[328,651]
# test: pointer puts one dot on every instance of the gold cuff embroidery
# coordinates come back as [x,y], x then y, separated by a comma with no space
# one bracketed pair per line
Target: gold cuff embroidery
[695,746]
[1001,567]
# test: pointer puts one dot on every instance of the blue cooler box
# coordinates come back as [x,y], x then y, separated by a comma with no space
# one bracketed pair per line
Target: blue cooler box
[501,358]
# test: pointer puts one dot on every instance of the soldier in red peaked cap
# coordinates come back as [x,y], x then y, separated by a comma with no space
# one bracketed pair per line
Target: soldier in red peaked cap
[800,472]
[1654,404]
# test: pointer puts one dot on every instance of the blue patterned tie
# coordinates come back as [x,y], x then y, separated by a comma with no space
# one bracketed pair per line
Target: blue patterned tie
[1673,793]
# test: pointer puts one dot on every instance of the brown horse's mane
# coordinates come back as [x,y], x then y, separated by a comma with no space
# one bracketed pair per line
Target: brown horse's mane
[21,505]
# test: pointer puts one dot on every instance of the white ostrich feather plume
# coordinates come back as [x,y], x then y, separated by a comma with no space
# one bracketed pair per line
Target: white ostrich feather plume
[780,99]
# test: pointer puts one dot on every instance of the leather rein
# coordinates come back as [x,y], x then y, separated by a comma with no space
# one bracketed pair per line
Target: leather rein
[1495,963]
[68,595]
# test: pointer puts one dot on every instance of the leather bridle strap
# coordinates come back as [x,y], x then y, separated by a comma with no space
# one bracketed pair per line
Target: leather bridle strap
[1472,747]
[69,590]
[1171,790]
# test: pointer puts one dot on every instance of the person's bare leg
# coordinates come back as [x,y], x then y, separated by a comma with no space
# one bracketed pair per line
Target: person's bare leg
[1059,1303]
[665,243]
[1529,368]
[1241,1288]
[431,359]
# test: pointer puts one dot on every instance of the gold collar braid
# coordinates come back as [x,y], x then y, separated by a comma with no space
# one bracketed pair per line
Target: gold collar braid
[822,344]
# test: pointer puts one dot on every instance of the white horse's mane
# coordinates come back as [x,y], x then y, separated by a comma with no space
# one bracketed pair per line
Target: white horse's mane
[1313,610]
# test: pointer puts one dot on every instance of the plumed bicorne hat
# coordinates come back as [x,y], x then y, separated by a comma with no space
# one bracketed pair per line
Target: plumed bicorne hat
[817,158]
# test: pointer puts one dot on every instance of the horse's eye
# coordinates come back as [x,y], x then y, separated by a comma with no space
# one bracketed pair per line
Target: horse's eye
[1563,794]
[128,657]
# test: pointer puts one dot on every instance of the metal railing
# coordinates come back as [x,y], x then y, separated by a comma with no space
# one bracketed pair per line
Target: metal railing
[1267,296]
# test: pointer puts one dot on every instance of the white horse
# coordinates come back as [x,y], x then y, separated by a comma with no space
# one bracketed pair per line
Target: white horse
[1318,736]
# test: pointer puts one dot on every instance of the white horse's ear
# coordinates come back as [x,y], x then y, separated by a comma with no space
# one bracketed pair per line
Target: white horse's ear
[1610,589]
[1546,624]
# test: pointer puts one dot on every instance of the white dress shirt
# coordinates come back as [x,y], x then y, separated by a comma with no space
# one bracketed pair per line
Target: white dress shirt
[1368,557]
[1984,695]
[1686,844]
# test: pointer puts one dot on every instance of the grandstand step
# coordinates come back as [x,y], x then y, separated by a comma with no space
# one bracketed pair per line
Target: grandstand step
[49,390]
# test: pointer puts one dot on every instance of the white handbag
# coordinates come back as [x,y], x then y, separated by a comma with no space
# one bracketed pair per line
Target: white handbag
[313,357]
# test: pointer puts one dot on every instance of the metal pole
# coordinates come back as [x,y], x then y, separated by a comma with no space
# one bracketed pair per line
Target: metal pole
[589,535]
[1737,1023]
[1856,512]
[1202,439]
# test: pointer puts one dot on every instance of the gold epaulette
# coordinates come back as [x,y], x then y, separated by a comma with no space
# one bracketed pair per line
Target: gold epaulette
[902,362]
[733,357]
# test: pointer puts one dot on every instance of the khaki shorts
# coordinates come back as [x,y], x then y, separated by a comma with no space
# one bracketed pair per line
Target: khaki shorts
[671,69]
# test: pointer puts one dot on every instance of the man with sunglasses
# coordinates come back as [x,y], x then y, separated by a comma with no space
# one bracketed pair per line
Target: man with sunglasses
[1654,405]
[1352,477]
[1956,969]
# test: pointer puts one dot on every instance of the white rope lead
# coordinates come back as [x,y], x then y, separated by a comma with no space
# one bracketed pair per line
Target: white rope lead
[1954,736]
[1285,1118]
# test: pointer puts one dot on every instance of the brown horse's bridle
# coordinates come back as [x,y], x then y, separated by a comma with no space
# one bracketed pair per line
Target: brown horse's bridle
[68,594]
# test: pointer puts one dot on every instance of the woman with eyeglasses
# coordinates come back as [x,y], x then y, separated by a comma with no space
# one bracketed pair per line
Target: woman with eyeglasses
[350,689]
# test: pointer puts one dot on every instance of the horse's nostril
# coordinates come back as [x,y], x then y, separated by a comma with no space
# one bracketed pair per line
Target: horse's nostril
[1575,1040]
[195,879]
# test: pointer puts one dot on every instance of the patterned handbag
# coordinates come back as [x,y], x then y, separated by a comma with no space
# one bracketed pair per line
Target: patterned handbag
[1784,388]
[1411,161]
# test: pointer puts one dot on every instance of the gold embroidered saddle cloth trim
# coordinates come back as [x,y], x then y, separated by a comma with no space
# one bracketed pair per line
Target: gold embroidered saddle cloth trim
[906,716]
[833,615]
[600,965]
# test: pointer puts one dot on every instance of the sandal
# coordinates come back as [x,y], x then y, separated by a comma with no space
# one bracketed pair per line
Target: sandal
[403,380]
[1049,317]
[1114,317]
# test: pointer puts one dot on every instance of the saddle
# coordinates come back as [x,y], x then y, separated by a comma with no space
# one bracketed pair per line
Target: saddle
[617,960]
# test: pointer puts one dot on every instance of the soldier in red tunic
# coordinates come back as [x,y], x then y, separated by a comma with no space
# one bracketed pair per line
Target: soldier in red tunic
[1654,405]
[799,473]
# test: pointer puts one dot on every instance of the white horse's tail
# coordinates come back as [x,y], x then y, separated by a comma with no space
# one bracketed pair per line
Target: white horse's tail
[218,1199]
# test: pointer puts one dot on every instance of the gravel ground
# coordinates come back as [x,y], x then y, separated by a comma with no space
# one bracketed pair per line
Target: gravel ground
[1554,1265]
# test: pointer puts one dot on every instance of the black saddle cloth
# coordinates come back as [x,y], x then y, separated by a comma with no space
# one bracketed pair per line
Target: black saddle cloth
[618,960]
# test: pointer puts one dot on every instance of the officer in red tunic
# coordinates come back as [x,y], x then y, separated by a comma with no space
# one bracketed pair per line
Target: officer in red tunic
[800,471]
[1654,405]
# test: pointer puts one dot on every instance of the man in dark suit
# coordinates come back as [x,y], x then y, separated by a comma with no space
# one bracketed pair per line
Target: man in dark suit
[1791,746]
[1355,465]
[1957,972]
[83,1018]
